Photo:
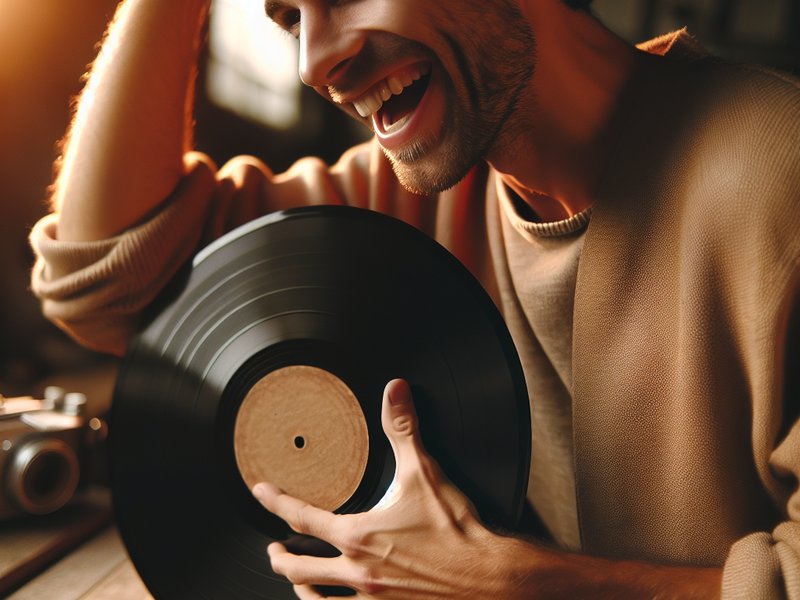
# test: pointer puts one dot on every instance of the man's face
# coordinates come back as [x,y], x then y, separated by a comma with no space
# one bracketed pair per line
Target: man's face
[438,82]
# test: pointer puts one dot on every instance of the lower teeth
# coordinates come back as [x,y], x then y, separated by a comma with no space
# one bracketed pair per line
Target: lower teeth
[398,125]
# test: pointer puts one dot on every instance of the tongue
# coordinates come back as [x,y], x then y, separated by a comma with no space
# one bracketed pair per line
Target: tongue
[397,107]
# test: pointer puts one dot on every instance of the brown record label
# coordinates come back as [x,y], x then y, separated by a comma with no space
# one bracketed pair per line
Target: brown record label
[302,429]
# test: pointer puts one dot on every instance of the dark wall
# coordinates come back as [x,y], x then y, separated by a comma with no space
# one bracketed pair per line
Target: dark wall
[44,49]
[759,31]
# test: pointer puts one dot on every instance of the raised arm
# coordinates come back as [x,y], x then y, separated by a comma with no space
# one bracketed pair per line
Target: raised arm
[124,151]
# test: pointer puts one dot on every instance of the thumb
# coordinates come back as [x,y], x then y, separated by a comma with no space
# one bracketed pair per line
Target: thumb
[415,468]
[399,418]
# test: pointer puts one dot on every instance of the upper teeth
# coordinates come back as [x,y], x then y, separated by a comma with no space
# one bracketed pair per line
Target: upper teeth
[372,101]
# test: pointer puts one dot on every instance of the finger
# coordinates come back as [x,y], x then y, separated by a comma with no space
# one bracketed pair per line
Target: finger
[311,570]
[414,464]
[307,592]
[301,516]
[400,423]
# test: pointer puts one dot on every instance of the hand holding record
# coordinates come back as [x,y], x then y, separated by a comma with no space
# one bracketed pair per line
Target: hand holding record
[423,540]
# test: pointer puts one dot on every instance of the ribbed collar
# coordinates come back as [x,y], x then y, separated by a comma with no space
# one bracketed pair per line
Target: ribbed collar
[531,229]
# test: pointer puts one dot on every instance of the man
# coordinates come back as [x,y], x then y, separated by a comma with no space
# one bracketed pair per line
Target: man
[633,213]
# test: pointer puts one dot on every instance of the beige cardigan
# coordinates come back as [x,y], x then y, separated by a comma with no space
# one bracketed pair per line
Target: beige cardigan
[685,397]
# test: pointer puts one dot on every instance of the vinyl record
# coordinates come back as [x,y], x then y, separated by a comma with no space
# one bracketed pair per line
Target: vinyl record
[339,298]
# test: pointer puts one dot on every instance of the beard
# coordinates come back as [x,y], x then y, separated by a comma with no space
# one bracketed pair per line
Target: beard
[495,53]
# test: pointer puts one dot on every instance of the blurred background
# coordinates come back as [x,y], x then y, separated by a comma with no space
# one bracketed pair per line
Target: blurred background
[250,101]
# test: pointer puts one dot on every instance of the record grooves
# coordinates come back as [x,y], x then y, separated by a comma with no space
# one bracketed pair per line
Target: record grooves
[355,294]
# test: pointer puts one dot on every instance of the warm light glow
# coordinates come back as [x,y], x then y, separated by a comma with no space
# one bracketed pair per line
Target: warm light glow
[252,68]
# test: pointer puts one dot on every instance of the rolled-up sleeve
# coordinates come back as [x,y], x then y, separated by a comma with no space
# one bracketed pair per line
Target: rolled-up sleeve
[96,290]
[766,565]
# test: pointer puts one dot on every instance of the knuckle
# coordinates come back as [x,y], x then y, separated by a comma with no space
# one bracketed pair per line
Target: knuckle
[405,424]
[302,518]
[294,578]
[280,566]
[368,580]
[294,572]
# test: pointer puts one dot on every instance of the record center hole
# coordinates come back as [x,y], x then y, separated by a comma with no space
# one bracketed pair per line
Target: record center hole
[299,442]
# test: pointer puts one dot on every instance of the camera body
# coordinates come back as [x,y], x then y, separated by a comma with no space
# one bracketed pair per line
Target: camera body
[42,443]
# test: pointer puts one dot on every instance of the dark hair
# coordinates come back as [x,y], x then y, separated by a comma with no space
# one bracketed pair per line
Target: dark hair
[578,4]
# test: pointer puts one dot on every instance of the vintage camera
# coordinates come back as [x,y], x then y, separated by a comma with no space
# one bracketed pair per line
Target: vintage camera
[42,445]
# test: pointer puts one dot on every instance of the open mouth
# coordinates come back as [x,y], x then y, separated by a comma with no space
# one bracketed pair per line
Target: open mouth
[397,107]
[392,99]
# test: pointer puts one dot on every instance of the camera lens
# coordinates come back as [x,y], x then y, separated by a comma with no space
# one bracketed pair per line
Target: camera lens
[42,476]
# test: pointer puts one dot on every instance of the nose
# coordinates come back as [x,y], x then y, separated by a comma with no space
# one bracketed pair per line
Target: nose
[328,40]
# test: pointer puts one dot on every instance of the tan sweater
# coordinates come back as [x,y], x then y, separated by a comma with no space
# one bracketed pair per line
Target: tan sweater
[685,395]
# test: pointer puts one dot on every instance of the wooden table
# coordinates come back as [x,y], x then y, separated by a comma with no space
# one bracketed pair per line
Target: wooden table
[74,554]
[97,570]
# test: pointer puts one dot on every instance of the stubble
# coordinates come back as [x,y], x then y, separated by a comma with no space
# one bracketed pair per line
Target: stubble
[493,51]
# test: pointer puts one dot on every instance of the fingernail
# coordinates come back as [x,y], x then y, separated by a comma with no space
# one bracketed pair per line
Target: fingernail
[258,490]
[400,394]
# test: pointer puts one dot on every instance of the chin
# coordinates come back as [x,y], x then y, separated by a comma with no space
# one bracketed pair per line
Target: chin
[428,175]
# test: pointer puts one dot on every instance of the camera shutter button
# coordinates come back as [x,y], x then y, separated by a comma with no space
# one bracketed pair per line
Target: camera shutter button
[74,404]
